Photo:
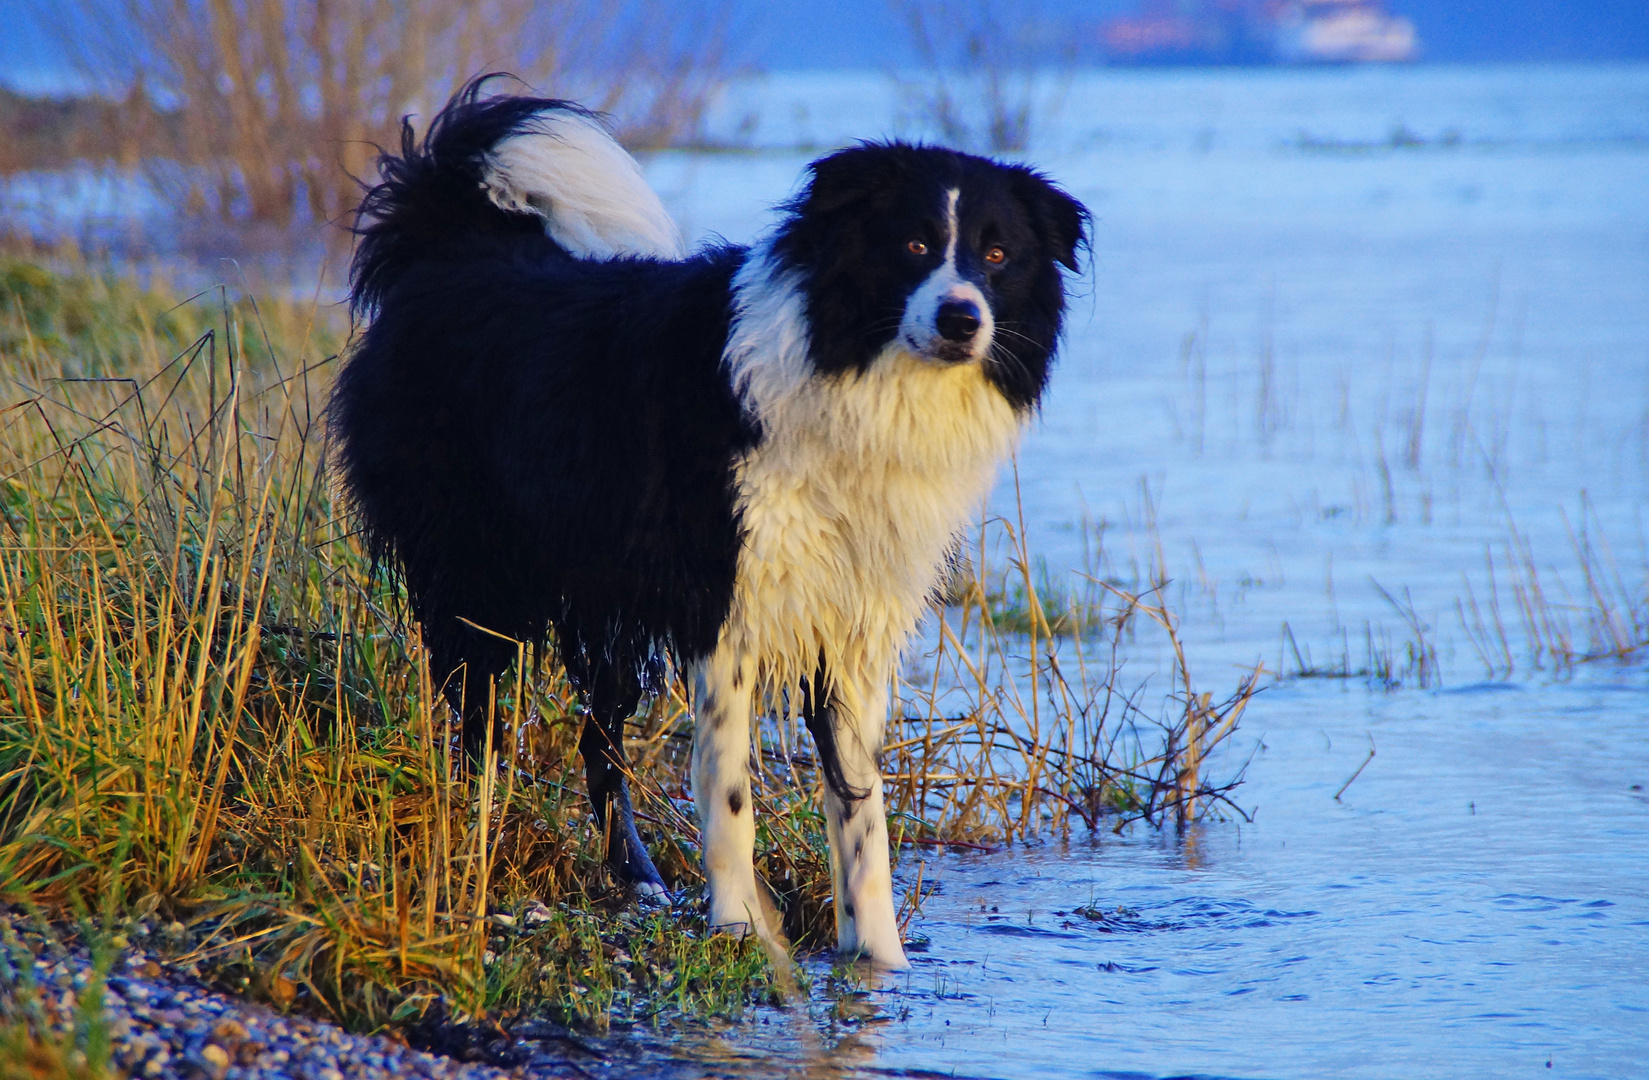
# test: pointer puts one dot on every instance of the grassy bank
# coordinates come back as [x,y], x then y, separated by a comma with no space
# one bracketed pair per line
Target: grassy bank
[218,744]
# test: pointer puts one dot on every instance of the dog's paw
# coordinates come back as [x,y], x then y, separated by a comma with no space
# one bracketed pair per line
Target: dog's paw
[884,953]
[652,894]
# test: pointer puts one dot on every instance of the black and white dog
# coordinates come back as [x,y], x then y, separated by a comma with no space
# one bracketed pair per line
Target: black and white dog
[753,461]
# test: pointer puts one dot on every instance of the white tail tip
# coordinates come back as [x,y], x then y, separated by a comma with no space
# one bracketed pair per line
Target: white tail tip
[593,198]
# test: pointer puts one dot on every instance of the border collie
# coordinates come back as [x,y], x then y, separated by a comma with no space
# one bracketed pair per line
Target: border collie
[566,430]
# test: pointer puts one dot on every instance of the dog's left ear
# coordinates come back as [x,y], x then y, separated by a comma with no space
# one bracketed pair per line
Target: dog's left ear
[1058,216]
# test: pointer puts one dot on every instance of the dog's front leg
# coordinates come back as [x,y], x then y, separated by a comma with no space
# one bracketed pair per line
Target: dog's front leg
[847,725]
[721,793]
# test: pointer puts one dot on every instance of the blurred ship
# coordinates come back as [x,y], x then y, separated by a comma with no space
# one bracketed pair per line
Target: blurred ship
[1343,31]
[1260,32]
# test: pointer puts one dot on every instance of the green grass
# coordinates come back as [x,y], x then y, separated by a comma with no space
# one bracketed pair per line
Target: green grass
[216,729]
[89,323]
[51,1032]
[1021,606]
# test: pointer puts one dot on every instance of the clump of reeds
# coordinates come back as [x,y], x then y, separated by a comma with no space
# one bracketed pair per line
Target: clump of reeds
[196,709]
[214,715]
[1563,622]
[1029,724]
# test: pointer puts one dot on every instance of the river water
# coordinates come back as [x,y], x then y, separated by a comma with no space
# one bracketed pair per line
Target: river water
[1345,331]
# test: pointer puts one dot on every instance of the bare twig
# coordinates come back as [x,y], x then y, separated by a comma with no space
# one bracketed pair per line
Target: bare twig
[1359,771]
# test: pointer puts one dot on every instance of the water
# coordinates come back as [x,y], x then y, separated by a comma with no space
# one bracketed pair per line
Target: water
[1457,914]
[1307,361]
[1473,906]
[1342,328]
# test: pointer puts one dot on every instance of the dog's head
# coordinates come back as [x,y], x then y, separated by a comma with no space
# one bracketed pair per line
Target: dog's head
[952,258]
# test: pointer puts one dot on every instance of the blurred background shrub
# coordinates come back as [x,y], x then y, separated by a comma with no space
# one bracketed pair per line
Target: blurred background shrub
[262,115]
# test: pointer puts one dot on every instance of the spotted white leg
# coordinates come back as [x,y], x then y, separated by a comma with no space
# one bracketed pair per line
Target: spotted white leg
[721,793]
[861,875]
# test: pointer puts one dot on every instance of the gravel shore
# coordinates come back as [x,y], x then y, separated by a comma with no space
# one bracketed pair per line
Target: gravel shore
[164,1025]
[167,1025]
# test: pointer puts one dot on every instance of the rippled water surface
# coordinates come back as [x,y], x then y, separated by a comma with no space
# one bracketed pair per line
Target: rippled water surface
[1476,905]
[1459,913]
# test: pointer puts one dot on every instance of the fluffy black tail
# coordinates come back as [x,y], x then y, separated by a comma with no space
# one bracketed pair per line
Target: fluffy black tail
[504,165]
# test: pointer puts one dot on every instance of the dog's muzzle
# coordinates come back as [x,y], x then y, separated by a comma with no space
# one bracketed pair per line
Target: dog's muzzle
[947,319]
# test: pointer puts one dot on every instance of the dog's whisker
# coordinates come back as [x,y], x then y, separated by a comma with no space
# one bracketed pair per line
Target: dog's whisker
[1004,329]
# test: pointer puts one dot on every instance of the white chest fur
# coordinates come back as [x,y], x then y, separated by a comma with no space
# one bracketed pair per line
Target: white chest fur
[854,495]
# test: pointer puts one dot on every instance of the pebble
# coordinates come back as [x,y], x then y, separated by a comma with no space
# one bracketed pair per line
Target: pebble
[216,1059]
[536,914]
[229,1032]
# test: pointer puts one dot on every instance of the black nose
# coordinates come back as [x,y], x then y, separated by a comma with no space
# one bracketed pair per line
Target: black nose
[958,320]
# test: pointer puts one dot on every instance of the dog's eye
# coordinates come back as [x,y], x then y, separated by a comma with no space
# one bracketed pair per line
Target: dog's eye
[916,247]
[996,256]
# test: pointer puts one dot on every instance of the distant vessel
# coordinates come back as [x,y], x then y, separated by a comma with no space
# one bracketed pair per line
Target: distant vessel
[1343,31]
[1260,32]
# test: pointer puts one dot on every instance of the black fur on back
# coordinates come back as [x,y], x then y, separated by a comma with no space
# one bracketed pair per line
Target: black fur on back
[542,444]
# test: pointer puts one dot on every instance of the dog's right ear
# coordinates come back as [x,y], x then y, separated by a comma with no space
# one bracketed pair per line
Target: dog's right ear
[827,217]
[850,176]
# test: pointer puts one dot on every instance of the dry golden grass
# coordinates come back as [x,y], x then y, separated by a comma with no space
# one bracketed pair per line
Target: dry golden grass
[1030,727]
[1591,613]
[211,711]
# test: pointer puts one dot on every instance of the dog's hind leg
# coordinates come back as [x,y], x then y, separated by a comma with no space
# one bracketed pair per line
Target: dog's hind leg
[466,665]
[722,687]
[847,722]
[613,693]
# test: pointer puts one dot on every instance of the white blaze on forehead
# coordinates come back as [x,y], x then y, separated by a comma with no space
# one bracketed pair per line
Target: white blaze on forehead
[919,329]
[951,228]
